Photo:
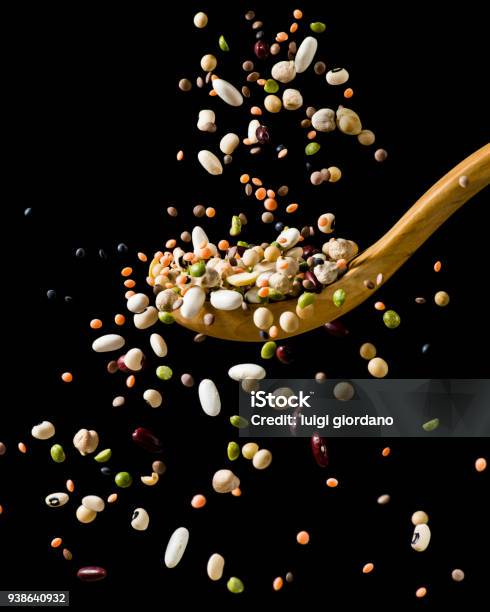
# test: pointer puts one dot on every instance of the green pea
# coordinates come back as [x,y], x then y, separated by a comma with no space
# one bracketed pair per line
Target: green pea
[431,425]
[271,86]
[339,297]
[268,350]
[103,456]
[223,45]
[318,27]
[306,299]
[166,317]
[391,319]
[235,585]
[242,243]
[276,244]
[57,453]
[123,480]
[164,372]
[312,148]
[238,421]
[197,269]
[233,451]
[236,226]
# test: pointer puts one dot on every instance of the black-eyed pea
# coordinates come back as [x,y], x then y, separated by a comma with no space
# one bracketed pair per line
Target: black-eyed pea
[421,537]
[140,519]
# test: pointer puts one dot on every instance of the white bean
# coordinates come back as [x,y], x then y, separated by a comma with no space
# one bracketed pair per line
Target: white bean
[215,566]
[305,54]
[225,481]
[146,319]
[262,459]
[209,397]
[289,322]
[137,302]
[263,318]
[226,299]
[133,359]
[227,92]
[84,515]
[252,129]
[176,547]
[192,303]
[43,431]
[246,370]
[153,398]
[210,162]
[93,502]
[107,343]
[158,345]
[205,117]
[199,237]
[229,143]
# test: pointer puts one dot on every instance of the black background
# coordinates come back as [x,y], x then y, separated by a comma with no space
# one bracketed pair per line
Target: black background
[94,122]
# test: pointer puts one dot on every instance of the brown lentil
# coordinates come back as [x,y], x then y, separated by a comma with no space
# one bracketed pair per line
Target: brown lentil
[319,68]
[185,85]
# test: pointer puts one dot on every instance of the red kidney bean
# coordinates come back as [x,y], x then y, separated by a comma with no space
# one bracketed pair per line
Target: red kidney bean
[319,449]
[124,368]
[262,134]
[91,573]
[121,365]
[147,440]
[309,250]
[284,354]
[317,286]
[261,49]
[336,328]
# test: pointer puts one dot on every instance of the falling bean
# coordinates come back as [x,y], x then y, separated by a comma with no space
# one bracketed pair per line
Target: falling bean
[238,421]
[57,453]
[338,297]
[236,226]
[312,148]
[268,350]
[391,319]
[103,456]
[233,451]
[123,480]
[318,27]
[223,45]
[271,86]
[91,573]
[146,439]
[431,425]
[319,449]
[235,585]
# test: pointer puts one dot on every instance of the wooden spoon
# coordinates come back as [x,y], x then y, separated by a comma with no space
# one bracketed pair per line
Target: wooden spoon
[384,257]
